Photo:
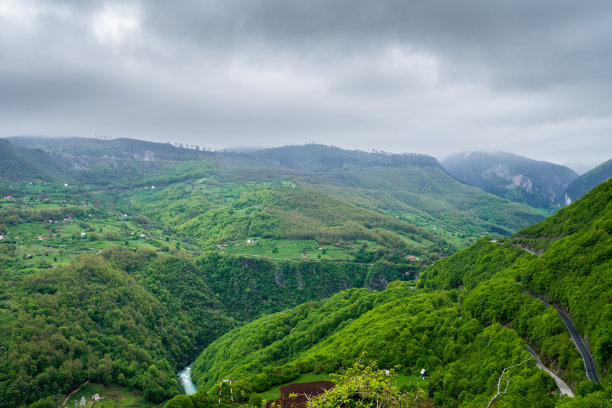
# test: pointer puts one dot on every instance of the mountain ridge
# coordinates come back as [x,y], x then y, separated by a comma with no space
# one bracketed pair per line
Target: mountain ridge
[537,183]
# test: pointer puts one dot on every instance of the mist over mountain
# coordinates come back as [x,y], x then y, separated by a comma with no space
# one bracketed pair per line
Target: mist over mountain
[537,183]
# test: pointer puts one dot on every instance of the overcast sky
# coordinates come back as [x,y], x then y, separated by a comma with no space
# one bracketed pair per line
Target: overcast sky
[435,77]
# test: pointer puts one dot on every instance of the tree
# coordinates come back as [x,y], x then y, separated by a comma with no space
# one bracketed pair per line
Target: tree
[367,386]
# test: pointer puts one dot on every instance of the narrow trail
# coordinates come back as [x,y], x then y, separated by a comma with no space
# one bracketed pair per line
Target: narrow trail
[73,392]
[563,387]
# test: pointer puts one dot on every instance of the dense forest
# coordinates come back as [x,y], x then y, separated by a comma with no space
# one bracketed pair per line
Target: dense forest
[486,300]
[123,261]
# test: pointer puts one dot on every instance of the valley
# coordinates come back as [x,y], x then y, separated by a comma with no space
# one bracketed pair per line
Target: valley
[122,262]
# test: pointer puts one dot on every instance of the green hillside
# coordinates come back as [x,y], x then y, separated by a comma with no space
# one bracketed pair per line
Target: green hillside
[214,214]
[134,257]
[410,187]
[89,321]
[473,315]
[573,270]
[398,327]
[23,164]
[588,180]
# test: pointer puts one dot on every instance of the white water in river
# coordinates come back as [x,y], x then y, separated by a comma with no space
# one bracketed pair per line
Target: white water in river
[185,378]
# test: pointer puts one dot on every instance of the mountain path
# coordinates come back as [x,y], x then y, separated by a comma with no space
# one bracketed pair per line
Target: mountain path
[563,387]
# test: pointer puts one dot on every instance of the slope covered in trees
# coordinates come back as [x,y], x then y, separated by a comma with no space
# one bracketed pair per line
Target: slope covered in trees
[398,327]
[186,245]
[88,321]
[573,271]
[472,310]
[20,164]
[413,188]
[588,180]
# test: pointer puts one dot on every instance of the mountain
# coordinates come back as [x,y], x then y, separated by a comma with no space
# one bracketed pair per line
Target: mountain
[121,148]
[126,273]
[413,188]
[587,181]
[471,316]
[409,186]
[539,184]
[19,163]
[316,157]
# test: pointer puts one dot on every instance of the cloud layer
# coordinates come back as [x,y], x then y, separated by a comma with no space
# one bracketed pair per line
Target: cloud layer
[405,76]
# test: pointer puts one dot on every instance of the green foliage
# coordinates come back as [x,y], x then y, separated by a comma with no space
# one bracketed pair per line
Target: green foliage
[137,312]
[197,400]
[469,267]
[398,327]
[574,272]
[89,321]
[366,386]
[589,180]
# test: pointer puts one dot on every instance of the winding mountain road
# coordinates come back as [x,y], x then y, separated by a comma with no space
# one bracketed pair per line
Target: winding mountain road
[563,387]
[589,363]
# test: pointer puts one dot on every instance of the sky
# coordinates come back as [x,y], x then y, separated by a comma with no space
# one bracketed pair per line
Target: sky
[434,77]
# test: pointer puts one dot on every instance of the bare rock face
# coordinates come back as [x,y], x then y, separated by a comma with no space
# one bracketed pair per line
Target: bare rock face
[539,184]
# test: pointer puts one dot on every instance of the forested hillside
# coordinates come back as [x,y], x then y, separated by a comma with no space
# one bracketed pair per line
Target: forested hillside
[413,188]
[122,261]
[484,301]
[588,180]
[19,163]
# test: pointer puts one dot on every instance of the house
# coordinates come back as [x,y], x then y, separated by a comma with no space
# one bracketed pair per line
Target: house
[83,234]
[411,257]
[97,397]
[424,374]
[39,238]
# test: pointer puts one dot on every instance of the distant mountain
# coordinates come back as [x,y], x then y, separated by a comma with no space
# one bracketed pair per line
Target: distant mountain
[19,163]
[316,157]
[122,148]
[587,181]
[411,187]
[537,183]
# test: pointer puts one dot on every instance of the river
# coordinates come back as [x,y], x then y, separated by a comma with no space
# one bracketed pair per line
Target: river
[185,379]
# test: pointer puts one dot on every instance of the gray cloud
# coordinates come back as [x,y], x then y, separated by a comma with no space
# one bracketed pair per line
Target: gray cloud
[431,77]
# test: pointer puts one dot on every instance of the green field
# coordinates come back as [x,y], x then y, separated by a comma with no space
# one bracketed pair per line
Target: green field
[113,397]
